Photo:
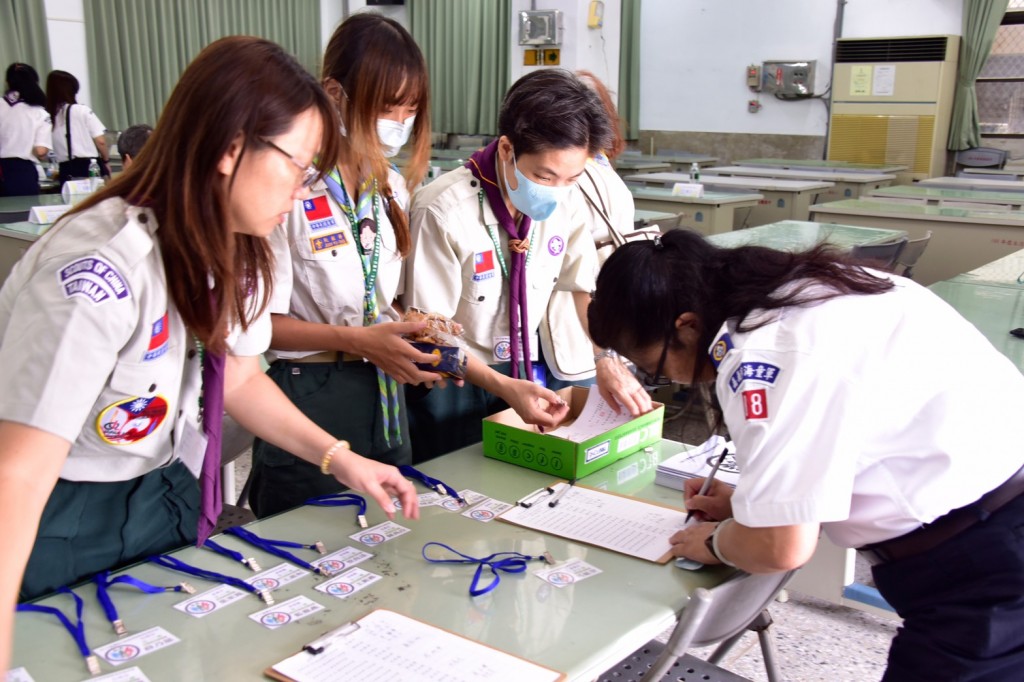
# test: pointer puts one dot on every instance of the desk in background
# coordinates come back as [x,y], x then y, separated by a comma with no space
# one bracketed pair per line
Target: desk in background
[15,238]
[712,213]
[1008,272]
[797,235]
[974,184]
[625,166]
[818,163]
[581,629]
[16,209]
[962,239]
[1009,173]
[664,221]
[951,198]
[781,199]
[848,184]
[994,310]
[679,161]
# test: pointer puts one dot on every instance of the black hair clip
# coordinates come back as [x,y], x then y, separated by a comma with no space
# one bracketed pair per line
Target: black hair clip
[657,242]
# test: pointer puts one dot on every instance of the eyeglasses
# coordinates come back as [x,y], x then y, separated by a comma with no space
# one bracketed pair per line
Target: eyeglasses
[309,173]
[659,378]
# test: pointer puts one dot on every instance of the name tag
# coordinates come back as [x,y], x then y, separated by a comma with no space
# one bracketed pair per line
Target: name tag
[502,349]
[192,448]
[44,215]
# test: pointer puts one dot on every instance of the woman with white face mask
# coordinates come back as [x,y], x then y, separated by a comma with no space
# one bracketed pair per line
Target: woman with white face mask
[493,240]
[337,349]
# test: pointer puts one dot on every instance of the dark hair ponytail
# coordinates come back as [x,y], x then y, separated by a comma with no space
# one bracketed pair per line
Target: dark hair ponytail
[24,79]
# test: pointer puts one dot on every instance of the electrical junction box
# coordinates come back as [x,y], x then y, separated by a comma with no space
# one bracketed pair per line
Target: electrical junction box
[788,80]
[540,27]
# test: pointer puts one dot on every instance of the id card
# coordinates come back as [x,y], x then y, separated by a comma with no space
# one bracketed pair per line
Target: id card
[192,448]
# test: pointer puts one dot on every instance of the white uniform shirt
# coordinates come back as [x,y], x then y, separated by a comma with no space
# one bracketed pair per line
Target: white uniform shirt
[23,127]
[614,201]
[85,126]
[93,349]
[869,414]
[453,269]
[318,275]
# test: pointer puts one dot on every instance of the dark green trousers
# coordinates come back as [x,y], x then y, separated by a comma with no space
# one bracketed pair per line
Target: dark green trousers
[91,527]
[343,398]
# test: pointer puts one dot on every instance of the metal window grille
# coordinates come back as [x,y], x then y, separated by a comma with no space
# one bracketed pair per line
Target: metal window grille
[1000,85]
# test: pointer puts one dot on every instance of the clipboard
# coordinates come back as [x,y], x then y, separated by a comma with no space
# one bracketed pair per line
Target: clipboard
[388,645]
[586,534]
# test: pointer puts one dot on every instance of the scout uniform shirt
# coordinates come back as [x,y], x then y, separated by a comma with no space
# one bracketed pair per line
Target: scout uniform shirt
[23,127]
[318,275]
[871,414]
[453,268]
[94,351]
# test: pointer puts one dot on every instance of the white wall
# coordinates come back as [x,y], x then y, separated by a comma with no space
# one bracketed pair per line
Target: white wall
[592,49]
[65,23]
[694,55]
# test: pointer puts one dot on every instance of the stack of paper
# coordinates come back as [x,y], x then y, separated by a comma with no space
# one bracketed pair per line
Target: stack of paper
[696,461]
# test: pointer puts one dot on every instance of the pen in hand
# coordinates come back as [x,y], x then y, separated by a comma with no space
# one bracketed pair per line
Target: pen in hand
[707,481]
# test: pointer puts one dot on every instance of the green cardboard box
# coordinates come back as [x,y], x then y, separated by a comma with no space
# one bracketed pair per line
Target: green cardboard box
[510,439]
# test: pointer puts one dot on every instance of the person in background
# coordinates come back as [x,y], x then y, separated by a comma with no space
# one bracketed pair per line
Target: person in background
[493,239]
[77,131]
[850,416]
[24,132]
[607,205]
[131,141]
[106,319]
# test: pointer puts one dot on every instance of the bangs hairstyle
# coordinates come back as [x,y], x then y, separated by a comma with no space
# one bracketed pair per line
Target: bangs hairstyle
[380,66]
[553,109]
[237,86]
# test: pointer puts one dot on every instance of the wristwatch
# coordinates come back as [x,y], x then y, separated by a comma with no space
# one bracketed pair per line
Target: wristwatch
[607,353]
[709,543]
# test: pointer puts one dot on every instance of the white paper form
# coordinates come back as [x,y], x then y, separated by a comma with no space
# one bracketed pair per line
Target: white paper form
[388,646]
[621,524]
[596,418]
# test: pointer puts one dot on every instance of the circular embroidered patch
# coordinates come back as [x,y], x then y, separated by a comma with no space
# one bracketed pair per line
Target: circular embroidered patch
[131,419]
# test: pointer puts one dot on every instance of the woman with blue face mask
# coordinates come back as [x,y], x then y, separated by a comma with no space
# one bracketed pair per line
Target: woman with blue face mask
[337,349]
[494,239]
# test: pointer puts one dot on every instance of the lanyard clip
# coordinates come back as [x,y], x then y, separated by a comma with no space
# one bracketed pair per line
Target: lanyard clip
[187,588]
[251,563]
[119,628]
[92,662]
[266,596]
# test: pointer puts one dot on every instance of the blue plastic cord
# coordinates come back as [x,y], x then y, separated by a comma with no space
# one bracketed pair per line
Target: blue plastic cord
[342,500]
[179,565]
[274,547]
[433,483]
[76,630]
[507,562]
[103,584]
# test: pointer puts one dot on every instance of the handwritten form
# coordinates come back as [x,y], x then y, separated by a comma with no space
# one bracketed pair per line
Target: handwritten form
[596,418]
[388,646]
[621,524]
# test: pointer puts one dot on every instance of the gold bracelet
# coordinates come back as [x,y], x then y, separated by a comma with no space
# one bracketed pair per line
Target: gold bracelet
[325,462]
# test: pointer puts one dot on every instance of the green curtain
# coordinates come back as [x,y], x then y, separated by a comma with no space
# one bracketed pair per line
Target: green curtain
[629,69]
[23,36]
[466,45]
[981,20]
[137,49]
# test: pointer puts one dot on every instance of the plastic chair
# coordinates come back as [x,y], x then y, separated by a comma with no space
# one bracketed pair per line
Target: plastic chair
[881,256]
[13,216]
[721,616]
[910,254]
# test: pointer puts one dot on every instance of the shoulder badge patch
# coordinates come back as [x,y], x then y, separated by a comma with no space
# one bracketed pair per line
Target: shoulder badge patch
[94,279]
[721,346]
[159,340]
[759,372]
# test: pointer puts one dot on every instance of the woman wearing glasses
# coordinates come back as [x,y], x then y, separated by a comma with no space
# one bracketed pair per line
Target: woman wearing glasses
[860,404]
[102,319]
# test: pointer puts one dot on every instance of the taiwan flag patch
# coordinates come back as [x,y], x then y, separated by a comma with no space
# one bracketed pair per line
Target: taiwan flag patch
[318,213]
[159,339]
[483,266]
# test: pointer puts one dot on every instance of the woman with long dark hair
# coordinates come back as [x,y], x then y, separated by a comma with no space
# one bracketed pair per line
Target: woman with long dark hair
[107,318]
[860,404]
[78,134]
[24,132]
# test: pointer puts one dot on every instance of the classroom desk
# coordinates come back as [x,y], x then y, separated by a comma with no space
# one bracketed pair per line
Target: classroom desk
[665,221]
[1010,173]
[781,199]
[626,165]
[945,196]
[962,239]
[974,184]
[15,238]
[679,162]
[712,213]
[1008,272]
[994,310]
[797,235]
[22,205]
[581,629]
[848,184]
[819,164]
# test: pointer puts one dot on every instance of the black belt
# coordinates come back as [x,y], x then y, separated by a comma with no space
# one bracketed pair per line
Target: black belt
[946,526]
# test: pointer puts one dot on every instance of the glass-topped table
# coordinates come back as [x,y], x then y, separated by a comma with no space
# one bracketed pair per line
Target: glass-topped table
[946,196]
[994,310]
[818,163]
[799,235]
[1008,271]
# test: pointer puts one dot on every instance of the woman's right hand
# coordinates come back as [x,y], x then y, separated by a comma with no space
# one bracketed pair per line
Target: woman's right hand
[714,505]
[383,345]
[378,480]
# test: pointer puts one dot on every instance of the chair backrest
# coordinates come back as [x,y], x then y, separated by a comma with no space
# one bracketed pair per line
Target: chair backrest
[881,256]
[981,157]
[715,615]
[910,254]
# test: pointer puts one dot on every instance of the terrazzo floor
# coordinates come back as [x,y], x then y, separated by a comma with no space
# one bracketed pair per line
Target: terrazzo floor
[814,640]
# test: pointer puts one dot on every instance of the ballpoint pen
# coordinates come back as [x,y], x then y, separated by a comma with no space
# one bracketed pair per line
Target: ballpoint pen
[561,492]
[707,481]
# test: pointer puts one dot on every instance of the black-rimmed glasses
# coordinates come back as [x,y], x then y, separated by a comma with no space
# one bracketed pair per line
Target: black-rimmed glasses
[309,173]
[659,378]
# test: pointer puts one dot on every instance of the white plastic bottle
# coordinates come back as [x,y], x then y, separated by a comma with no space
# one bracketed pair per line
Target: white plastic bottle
[694,172]
[94,168]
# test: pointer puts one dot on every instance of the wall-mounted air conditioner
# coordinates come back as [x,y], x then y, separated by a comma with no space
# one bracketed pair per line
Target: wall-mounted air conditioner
[891,102]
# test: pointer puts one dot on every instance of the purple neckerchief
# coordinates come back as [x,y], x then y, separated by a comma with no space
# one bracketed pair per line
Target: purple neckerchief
[483,165]
[213,422]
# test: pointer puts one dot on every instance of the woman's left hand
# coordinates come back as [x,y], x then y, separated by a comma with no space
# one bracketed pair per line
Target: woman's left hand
[620,389]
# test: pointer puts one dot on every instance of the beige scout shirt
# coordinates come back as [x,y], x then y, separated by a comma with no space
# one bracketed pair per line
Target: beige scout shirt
[93,349]
[454,270]
[318,276]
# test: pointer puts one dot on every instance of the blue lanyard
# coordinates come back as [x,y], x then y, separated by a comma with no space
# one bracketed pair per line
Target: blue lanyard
[104,582]
[434,483]
[342,500]
[248,562]
[509,562]
[275,547]
[76,630]
[179,565]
